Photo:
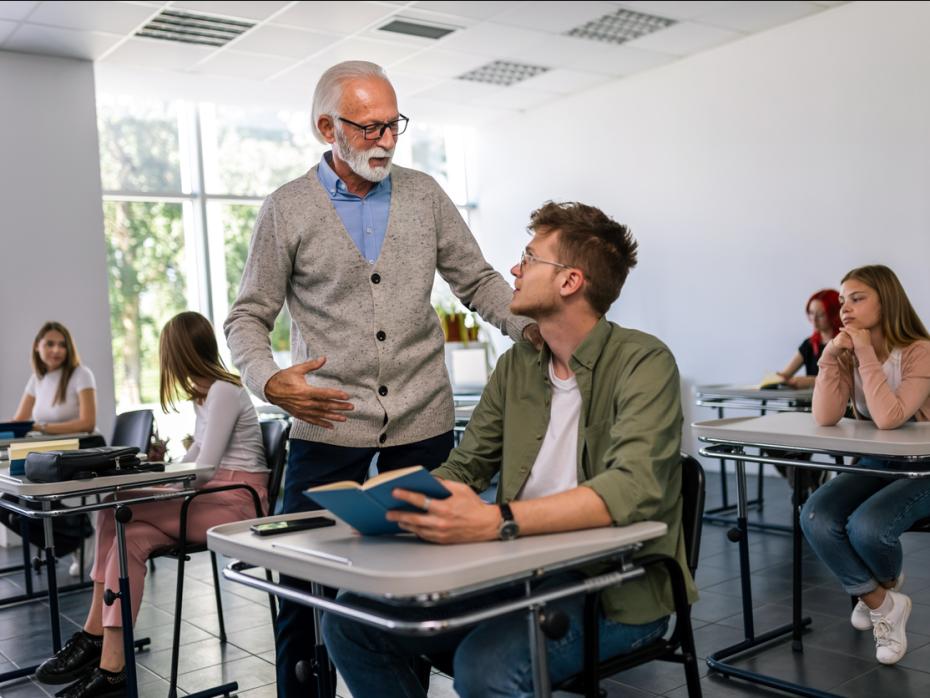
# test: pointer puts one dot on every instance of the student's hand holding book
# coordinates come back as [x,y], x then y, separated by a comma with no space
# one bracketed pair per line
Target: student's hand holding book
[461,518]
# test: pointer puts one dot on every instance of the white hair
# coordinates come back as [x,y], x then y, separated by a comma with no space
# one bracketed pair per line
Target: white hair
[328,90]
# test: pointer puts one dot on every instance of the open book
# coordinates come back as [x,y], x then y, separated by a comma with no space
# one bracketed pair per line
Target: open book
[364,507]
[19,450]
[772,381]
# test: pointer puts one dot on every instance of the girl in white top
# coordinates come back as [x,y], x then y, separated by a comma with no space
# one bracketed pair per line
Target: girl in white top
[228,441]
[61,395]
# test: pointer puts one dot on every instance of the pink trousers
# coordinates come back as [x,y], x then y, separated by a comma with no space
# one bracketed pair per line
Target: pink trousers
[156,525]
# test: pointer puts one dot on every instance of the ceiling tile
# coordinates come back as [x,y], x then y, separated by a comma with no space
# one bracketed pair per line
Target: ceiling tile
[440,63]
[464,91]
[443,112]
[684,38]
[555,17]
[54,41]
[6,28]
[16,9]
[163,55]
[592,56]
[756,16]
[406,84]
[515,97]
[678,10]
[475,10]
[493,40]
[284,41]
[302,77]
[357,49]
[339,17]
[248,66]
[115,17]
[244,10]
[564,81]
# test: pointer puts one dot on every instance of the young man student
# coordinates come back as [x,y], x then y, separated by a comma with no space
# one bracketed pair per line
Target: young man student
[585,433]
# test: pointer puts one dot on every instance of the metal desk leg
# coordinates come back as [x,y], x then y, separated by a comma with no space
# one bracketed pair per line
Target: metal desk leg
[123,515]
[538,656]
[320,655]
[716,661]
[52,577]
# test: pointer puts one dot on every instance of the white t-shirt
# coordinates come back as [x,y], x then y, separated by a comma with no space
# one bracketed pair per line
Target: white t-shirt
[227,434]
[556,466]
[892,370]
[45,388]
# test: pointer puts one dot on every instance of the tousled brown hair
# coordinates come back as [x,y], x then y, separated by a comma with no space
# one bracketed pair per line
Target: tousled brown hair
[71,362]
[187,350]
[590,240]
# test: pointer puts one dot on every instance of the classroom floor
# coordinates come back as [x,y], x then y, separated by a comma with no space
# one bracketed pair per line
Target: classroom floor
[836,658]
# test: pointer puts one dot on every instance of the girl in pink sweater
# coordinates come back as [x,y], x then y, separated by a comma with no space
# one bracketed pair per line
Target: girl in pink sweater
[880,362]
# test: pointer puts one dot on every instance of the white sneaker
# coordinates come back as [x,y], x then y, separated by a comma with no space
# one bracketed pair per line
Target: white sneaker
[888,630]
[75,569]
[861,618]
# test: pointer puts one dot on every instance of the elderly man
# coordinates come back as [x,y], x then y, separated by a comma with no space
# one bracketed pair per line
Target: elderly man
[584,433]
[353,247]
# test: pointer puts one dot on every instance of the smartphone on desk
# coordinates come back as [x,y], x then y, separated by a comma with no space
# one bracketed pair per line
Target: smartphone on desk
[275,528]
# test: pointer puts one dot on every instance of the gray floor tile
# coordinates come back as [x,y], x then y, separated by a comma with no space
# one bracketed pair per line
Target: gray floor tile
[249,672]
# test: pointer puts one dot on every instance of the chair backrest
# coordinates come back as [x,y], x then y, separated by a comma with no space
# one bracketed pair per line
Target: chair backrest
[692,507]
[134,429]
[274,438]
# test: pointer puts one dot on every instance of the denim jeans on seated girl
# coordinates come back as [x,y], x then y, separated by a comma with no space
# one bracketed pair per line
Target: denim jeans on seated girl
[854,524]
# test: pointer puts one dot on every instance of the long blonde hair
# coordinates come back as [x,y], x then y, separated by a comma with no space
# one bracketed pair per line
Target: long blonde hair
[71,362]
[187,350]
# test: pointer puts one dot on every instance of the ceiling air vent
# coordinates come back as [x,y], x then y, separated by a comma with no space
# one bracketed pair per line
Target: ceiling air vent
[418,29]
[189,28]
[502,73]
[620,26]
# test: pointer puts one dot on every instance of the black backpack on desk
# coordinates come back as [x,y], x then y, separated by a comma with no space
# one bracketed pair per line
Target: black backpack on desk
[82,464]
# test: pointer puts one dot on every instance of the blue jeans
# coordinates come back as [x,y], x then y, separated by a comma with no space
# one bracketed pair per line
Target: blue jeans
[491,659]
[310,464]
[854,523]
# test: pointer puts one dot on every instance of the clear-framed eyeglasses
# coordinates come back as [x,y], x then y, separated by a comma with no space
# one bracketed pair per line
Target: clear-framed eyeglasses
[530,257]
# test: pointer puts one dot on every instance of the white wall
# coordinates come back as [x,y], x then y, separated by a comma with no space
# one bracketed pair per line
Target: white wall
[752,175]
[53,253]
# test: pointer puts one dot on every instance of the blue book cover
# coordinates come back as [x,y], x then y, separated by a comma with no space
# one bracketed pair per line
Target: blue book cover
[365,507]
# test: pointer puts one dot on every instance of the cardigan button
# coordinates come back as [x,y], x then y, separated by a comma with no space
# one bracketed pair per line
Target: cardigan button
[376,278]
[382,391]
[381,336]
[382,438]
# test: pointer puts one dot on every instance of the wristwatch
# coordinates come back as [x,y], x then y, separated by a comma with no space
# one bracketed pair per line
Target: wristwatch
[509,529]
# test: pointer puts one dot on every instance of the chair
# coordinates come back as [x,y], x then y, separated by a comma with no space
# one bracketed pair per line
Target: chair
[134,429]
[679,646]
[274,440]
[666,649]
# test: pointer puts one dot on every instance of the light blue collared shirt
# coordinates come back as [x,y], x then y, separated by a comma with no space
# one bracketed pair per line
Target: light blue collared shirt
[365,219]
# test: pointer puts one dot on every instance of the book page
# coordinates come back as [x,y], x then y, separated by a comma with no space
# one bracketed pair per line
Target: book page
[341,485]
[391,475]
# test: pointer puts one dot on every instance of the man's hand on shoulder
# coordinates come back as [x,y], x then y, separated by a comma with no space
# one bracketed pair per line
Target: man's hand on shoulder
[289,390]
[462,518]
[532,335]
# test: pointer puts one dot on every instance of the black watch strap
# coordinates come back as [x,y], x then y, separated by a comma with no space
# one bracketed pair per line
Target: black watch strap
[508,529]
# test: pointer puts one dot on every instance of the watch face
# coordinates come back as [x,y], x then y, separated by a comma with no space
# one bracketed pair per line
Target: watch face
[509,530]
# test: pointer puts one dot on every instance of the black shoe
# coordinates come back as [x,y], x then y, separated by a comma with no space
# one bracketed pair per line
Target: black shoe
[77,658]
[97,684]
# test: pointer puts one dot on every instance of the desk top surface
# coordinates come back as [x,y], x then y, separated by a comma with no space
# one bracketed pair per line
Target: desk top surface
[403,566]
[850,436]
[20,486]
[753,392]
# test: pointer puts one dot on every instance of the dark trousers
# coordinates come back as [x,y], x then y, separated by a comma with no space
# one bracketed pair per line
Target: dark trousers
[311,464]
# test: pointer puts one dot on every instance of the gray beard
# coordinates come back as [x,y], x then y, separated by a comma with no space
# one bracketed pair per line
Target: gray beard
[357,160]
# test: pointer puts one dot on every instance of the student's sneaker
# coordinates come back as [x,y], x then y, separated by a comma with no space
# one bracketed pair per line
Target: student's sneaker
[97,684]
[75,568]
[75,660]
[861,618]
[888,630]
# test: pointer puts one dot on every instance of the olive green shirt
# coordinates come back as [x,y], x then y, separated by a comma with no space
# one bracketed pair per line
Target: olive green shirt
[629,441]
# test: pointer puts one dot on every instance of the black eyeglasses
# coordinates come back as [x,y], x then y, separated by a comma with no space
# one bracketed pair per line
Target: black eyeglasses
[375,132]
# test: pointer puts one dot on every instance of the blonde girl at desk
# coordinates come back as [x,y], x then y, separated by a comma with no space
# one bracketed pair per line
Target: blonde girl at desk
[228,443]
[61,395]
[879,360]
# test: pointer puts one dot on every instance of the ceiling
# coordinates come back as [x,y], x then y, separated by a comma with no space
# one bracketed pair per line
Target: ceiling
[279,59]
